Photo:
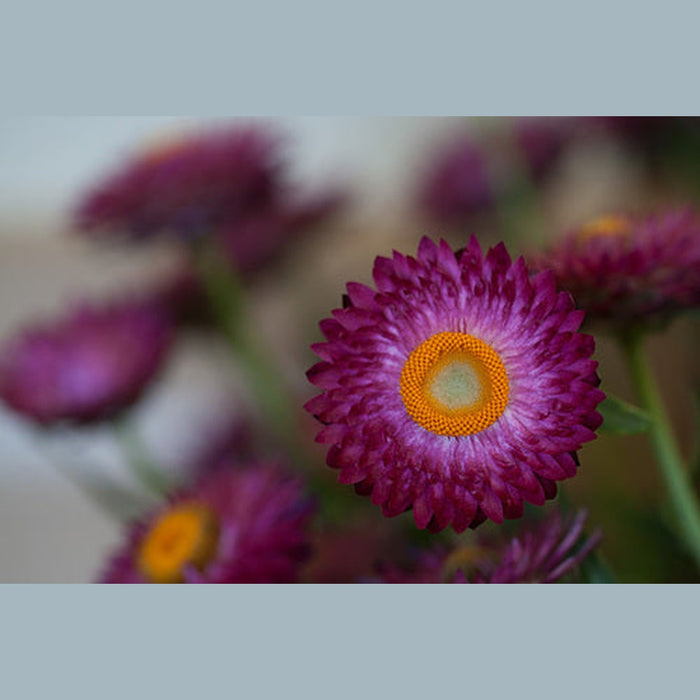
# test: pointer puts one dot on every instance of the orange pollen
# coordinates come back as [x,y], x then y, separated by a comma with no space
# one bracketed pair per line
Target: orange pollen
[613,225]
[185,535]
[454,384]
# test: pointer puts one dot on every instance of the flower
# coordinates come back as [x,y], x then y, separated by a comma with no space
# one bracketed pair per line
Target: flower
[253,241]
[459,387]
[457,184]
[186,186]
[87,366]
[632,270]
[541,141]
[234,526]
[545,553]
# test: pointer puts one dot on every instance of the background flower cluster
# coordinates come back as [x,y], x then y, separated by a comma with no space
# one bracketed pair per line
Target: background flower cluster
[239,254]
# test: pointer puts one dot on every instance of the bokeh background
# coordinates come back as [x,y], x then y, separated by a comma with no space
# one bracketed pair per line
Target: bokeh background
[49,530]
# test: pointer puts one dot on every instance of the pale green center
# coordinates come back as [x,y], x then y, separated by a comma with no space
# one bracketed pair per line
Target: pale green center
[456,385]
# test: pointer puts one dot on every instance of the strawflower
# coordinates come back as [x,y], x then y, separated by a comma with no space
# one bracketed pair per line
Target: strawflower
[458,388]
[630,270]
[88,366]
[544,553]
[246,525]
[186,186]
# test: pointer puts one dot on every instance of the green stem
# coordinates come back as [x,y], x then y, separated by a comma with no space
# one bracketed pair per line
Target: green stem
[673,470]
[143,467]
[227,300]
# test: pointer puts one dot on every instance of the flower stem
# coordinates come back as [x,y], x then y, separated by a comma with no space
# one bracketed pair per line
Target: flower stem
[227,300]
[142,465]
[673,470]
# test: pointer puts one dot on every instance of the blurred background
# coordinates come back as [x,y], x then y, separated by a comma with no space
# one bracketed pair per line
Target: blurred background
[527,181]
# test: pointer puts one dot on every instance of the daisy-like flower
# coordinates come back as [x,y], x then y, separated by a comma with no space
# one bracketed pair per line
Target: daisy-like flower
[459,387]
[235,526]
[86,367]
[545,553]
[631,270]
[457,184]
[186,186]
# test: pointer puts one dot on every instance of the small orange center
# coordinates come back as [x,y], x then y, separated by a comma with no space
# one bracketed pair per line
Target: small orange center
[187,534]
[613,225]
[454,384]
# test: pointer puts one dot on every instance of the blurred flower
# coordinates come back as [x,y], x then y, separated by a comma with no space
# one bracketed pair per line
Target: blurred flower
[235,526]
[88,366]
[253,241]
[459,388]
[187,186]
[542,555]
[542,140]
[631,270]
[545,553]
[456,184]
[228,183]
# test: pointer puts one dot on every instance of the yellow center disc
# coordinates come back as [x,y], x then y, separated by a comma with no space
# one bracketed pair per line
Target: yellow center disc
[454,384]
[605,226]
[187,534]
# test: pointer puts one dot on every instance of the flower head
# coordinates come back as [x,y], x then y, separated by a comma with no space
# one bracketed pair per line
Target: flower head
[457,183]
[459,388]
[186,186]
[544,553]
[254,240]
[234,526]
[541,141]
[87,366]
[632,270]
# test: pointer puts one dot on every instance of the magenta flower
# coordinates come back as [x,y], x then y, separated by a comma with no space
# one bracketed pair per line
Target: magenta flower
[235,526]
[457,184]
[188,186]
[542,140]
[257,239]
[631,270]
[459,388]
[545,553]
[86,367]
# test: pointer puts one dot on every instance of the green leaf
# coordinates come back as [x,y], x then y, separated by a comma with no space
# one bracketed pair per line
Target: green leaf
[623,418]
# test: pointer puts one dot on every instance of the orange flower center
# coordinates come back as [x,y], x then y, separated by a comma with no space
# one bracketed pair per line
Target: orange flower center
[454,384]
[613,225]
[187,534]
